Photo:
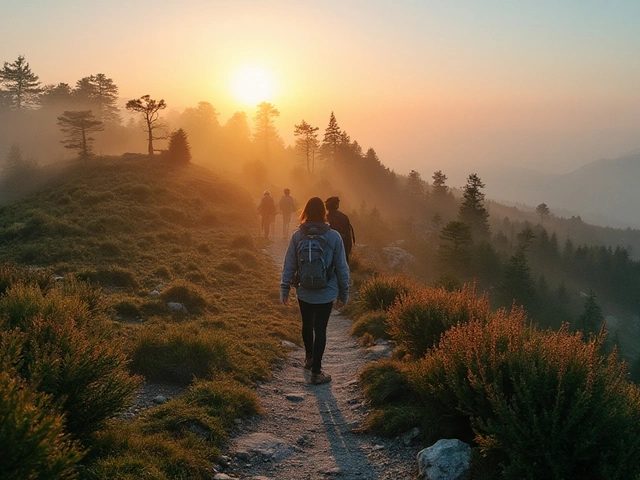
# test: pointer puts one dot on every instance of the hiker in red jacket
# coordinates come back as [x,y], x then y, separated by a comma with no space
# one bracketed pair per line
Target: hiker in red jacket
[340,222]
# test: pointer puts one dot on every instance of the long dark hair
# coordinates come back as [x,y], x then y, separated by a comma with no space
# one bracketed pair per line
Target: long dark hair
[313,211]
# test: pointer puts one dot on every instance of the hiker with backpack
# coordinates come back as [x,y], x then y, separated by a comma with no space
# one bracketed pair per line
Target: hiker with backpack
[267,209]
[316,265]
[340,222]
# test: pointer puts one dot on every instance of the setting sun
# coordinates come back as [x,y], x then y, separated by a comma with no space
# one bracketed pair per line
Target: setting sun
[253,85]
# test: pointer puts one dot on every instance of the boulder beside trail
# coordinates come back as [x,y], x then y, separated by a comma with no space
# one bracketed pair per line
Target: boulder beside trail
[447,459]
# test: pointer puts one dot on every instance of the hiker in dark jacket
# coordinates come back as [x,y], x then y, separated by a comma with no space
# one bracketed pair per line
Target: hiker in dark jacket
[316,303]
[267,209]
[340,222]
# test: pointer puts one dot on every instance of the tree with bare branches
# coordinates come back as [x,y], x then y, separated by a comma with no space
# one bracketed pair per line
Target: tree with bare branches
[150,111]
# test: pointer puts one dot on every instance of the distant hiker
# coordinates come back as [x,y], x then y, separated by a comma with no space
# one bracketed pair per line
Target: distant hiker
[315,264]
[267,209]
[340,222]
[287,206]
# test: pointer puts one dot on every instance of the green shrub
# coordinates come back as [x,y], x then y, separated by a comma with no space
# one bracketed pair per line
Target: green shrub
[179,353]
[113,276]
[541,404]
[186,293]
[373,322]
[420,318]
[32,437]
[382,291]
[11,273]
[67,355]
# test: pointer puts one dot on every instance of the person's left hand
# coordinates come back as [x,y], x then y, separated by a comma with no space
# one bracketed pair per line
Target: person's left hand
[339,304]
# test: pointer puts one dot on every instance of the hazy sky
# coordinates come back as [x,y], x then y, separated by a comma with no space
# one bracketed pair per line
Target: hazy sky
[451,85]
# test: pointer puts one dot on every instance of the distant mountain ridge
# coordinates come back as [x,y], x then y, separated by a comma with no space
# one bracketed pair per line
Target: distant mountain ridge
[605,192]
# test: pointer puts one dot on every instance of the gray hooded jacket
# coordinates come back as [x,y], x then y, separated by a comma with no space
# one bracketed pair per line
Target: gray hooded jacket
[338,286]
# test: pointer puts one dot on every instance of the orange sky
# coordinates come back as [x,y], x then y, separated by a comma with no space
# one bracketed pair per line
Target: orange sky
[458,86]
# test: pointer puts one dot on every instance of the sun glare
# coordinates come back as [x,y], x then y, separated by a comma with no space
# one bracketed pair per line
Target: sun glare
[253,85]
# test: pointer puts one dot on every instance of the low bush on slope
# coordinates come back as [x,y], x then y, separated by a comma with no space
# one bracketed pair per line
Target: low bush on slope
[97,258]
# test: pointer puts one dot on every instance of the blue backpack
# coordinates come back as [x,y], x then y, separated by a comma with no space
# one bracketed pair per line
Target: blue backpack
[312,252]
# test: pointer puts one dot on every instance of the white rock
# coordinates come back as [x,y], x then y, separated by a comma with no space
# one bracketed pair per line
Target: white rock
[447,459]
[160,399]
[155,294]
[175,306]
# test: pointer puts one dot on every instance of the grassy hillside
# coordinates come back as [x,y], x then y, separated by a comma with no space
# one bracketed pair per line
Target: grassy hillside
[139,234]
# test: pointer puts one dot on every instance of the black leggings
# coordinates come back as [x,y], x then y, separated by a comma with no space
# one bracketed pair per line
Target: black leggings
[315,317]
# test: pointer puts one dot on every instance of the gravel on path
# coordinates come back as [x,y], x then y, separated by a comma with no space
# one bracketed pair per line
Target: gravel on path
[311,431]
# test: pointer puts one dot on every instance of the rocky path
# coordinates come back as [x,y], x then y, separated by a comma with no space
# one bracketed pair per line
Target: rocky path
[309,431]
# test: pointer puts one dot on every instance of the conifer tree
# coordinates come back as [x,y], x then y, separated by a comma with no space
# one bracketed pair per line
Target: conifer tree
[22,85]
[543,212]
[150,111]
[266,136]
[454,250]
[591,319]
[331,140]
[78,125]
[307,143]
[179,150]
[472,210]
[439,188]
[100,94]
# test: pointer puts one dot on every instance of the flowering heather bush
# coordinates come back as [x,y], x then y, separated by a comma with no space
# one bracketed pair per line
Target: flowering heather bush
[421,316]
[541,404]
[382,291]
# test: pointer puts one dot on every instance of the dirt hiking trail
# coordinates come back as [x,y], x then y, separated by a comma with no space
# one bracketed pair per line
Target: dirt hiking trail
[307,431]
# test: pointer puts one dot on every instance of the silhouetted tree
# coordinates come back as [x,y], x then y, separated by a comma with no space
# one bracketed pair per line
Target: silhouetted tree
[78,125]
[331,140]
[543,212]
[56,95]
[307,143]
[179,150]
[22,85]
[590,321]
[150,111]
[454,251]
[100,94]
[472,210]
[415,185]
[439,188]
[517,284]
[266,135]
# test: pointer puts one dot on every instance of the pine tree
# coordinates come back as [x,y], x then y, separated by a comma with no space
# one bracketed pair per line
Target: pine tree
[591,319]
[179,150]
[266,136]
[150,111]
[439,189]
[543,212]
[332,139]
[454,251]
[472,210]
[22,85]
[77,125]
[307,143]
[100,94]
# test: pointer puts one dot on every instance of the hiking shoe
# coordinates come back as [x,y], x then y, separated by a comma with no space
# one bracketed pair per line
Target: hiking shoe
[318,378]
[308,363]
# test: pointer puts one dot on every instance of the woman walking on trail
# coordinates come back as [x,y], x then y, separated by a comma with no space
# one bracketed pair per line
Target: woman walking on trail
[315,264]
